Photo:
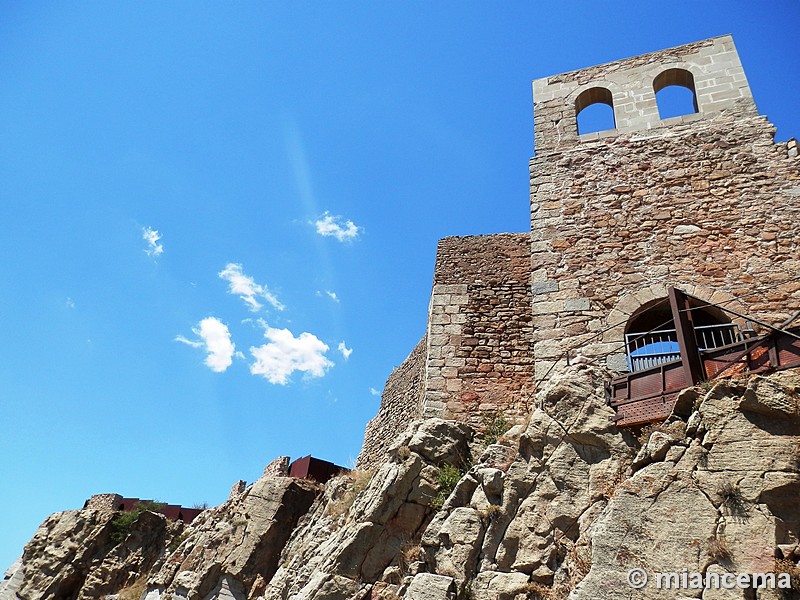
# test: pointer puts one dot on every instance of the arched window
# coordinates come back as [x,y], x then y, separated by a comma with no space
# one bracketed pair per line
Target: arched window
[675,93]
[651,338]
[594,109]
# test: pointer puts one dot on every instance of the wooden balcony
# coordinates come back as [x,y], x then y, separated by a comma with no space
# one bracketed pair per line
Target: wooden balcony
[664,362]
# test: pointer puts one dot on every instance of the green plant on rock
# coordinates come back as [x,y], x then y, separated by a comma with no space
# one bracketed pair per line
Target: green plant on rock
[447,478]
[122,523]
[494,424]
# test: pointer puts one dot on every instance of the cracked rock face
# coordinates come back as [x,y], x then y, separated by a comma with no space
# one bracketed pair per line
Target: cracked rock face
[563,505]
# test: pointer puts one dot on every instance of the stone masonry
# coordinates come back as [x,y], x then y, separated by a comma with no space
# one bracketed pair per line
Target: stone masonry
[401,403]
[479,335]
[706,202]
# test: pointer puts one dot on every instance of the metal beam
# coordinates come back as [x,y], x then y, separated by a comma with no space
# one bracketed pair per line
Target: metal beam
[687,344]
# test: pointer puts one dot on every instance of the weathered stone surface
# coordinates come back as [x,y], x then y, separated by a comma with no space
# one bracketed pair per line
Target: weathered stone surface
[426,586]
[359,533]
[242,539]
[72,555]
[493,585]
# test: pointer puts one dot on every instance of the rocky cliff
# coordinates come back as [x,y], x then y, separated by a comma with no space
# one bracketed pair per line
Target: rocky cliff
[563,505]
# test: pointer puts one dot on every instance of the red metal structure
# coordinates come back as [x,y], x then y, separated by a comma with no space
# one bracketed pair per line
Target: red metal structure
[690,354]
[309,467]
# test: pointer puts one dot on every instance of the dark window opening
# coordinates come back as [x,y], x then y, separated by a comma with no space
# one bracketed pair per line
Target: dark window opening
[595,111]
[675,93]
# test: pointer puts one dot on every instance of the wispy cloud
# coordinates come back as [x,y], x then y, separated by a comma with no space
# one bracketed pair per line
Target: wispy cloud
[346,352]
[70,303]
[332,295]
[284,354]
[247,289]
[342,229]
[215,339]
[374,392]
[151,236]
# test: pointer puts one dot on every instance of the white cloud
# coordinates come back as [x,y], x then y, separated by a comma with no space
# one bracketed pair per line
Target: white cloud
[332,295]
[151,236]
[247,289]
[215,339]
[346,352]
[374,392]
[285,354]
[70,302]
[329,225]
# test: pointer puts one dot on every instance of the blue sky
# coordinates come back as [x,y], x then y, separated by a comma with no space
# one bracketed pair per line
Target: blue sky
[220,219]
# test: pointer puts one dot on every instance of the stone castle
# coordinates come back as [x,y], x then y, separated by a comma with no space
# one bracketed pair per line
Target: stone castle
[706,202]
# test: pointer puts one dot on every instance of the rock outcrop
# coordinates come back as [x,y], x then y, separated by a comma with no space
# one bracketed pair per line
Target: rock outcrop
[562,505]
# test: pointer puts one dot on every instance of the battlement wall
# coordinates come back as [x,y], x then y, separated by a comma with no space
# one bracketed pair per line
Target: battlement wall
[401,403]
[479,354]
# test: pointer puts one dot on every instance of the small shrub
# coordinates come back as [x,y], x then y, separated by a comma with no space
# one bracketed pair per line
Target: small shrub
[491,511]
[122,523]
[719,551]
[784,565]
[537,591]
[358,482]
[732,499]
[200,506]
[176,541]
[493,424]
[447,477]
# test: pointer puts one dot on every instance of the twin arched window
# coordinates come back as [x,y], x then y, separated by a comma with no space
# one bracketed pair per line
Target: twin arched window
[675,96]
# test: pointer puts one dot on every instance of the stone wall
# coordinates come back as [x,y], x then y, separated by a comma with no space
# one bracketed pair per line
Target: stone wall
[707,203]
[711,67]
[401,403]
[103,502]
[479,329]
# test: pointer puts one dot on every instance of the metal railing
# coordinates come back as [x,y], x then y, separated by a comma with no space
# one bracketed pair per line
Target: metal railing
[646,350]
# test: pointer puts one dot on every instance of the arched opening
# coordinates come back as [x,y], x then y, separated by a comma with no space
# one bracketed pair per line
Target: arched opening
[675,93]
[594,110]
[651,338]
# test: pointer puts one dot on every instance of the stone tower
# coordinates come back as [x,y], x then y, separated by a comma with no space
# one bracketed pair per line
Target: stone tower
[706,202]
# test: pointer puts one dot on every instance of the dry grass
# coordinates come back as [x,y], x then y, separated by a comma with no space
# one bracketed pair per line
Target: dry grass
[491,511]
[133,591]
[784,565]
[732,500]
[719,551]
[538,591]
[410,553]
[358,482]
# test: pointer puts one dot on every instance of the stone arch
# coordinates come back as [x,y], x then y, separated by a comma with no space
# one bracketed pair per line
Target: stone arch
[633,303]
[676,77]
[595,95]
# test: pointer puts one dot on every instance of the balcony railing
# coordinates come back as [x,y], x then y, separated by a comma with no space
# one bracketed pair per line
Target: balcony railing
[646,350]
